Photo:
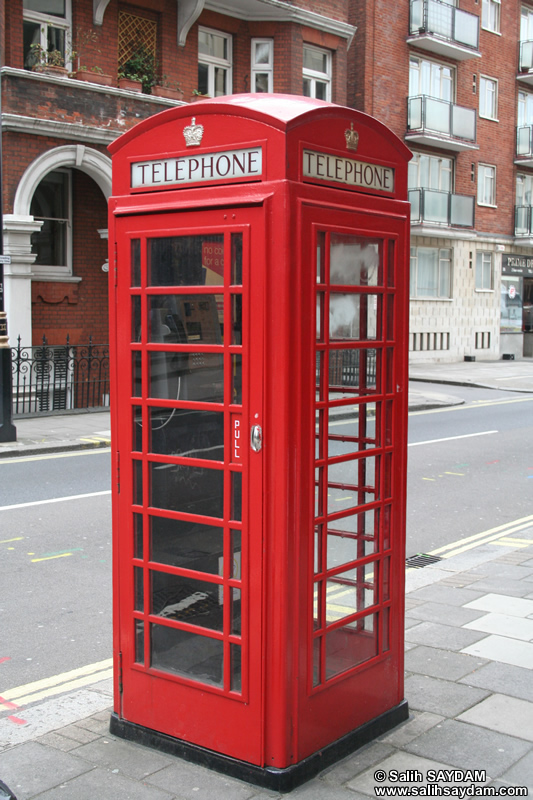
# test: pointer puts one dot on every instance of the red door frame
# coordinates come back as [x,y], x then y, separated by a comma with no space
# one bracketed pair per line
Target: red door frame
[151,697]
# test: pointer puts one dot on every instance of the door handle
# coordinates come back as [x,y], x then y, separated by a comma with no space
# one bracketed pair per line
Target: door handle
[256,438]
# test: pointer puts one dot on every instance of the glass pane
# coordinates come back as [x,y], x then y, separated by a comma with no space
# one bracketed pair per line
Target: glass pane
[186,318]
[236,319]
[136,388]
[236,612]
[190,655]
[260,82]
[203,78]
[136,262]
[236,668]
[437,115]
[187,433]
[351,645]
[138,545]
[355,260]
[352,429]
[262,53]
[137,443]
[186,261]
[321,90]
[136,332]
[351,483]
[139,641]
[187,376]
[352,372]
[186,600]
[350,592]
[137,482]
[138,575]
[221,74]
[31,34]
[315,60]
[353,316]
[236,379]
[236,549]
[193,490]
[236,259]
[236,496]
[54,7]
[186,544]
[351,538]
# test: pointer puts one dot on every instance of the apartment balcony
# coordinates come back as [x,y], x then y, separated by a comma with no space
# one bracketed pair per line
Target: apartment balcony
[444,209]
[523,222]
[444,30]
[524,145]
[525,63]
[438,123]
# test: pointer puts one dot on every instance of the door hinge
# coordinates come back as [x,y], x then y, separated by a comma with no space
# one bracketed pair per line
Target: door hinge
[120,683]
[118,473]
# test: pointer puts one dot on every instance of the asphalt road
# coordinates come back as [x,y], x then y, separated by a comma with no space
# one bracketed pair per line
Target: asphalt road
[469,470]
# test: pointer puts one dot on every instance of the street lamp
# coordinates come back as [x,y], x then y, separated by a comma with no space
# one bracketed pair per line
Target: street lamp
[8,432]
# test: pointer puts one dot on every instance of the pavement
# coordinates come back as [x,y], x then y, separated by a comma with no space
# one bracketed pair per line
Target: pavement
[468,662]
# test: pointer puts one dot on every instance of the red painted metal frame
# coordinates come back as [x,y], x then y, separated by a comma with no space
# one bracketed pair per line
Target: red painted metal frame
[289,718]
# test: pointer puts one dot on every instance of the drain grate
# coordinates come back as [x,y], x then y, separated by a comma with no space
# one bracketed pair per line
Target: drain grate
[421,560]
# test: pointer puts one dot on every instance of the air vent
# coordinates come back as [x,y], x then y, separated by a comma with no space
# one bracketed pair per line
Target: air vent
[421,560]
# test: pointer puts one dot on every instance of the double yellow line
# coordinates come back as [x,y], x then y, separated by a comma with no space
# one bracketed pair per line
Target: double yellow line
[491,536]
[48,687]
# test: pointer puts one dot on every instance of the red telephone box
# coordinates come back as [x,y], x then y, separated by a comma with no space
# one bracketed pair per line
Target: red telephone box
[259,417]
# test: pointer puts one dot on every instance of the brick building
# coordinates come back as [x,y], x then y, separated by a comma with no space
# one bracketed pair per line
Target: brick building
[452,80]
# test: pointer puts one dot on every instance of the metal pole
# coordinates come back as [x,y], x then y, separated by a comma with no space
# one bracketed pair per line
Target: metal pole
[8,432]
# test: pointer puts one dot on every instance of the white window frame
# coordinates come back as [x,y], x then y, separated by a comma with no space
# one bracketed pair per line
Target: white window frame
[524,189]
[54,271]
[262,69]
[213,62]
[427,74]
[525,108]
[444,273]
[526,24]
[439,172]
[490,15]
[484,271]
[44,20]
[315,76]
[486,185]
[488,98]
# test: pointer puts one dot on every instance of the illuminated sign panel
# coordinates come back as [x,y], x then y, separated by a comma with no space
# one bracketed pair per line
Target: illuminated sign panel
[348,171]
[222,166]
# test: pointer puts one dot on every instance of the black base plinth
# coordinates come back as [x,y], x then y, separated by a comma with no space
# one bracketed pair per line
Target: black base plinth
[280,780]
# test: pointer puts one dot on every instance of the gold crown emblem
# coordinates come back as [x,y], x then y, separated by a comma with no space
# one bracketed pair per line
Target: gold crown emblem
[193,133]
[352,138]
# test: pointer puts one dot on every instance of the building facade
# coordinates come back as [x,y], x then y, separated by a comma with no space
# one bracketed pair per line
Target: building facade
[453,80]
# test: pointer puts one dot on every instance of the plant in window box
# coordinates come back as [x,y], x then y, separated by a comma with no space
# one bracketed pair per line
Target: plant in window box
[169,88]
[198,95]
[94,75]
[140,68]
[84,43]
[51,62]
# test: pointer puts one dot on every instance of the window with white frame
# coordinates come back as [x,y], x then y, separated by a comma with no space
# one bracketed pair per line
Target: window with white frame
[490,15]
[524,189]
[486,185]
[488,97]
[431,79]
[316,73]
[430,172]
[526,24]
[431,272]
[214,62]
[51,204]
[525,108]
[46,29]
[484,271]
[262,65]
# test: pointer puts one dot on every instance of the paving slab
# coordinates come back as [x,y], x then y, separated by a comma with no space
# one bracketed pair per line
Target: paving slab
[444,637]
[502,604]
[439,696]
[358,762]
[419,722]
[506,586]
[127,757]
[521,773]
[193,782]
[32,768]
[441,663]
[501,648]
[504,625]
[470,747]
[441,612]
[101,784]
[503,678]
[504,714]
[317,789]
[450,595]
[398,762]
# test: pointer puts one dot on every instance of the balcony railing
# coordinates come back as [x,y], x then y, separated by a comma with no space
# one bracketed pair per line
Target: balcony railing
[523,221]
[524,140]
[526,56]
[439,117]
[443,20]
[441,208]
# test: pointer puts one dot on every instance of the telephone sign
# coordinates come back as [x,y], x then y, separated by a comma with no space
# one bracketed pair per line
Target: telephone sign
[261,296]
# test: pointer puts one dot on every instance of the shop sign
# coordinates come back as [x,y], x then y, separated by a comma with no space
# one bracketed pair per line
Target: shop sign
[226,165]
[517,265]
[355,174]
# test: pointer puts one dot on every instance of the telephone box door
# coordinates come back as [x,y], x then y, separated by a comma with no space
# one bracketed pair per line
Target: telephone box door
[189,543]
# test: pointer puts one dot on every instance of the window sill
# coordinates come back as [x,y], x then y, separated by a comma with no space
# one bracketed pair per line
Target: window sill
[51,276]
[489,119]
[484,291]
[486,205]
[431,299]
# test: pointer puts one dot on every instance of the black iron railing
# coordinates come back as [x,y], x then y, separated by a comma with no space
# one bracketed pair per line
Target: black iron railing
[59,377]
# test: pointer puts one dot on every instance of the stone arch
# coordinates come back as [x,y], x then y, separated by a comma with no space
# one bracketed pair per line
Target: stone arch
[94,163]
